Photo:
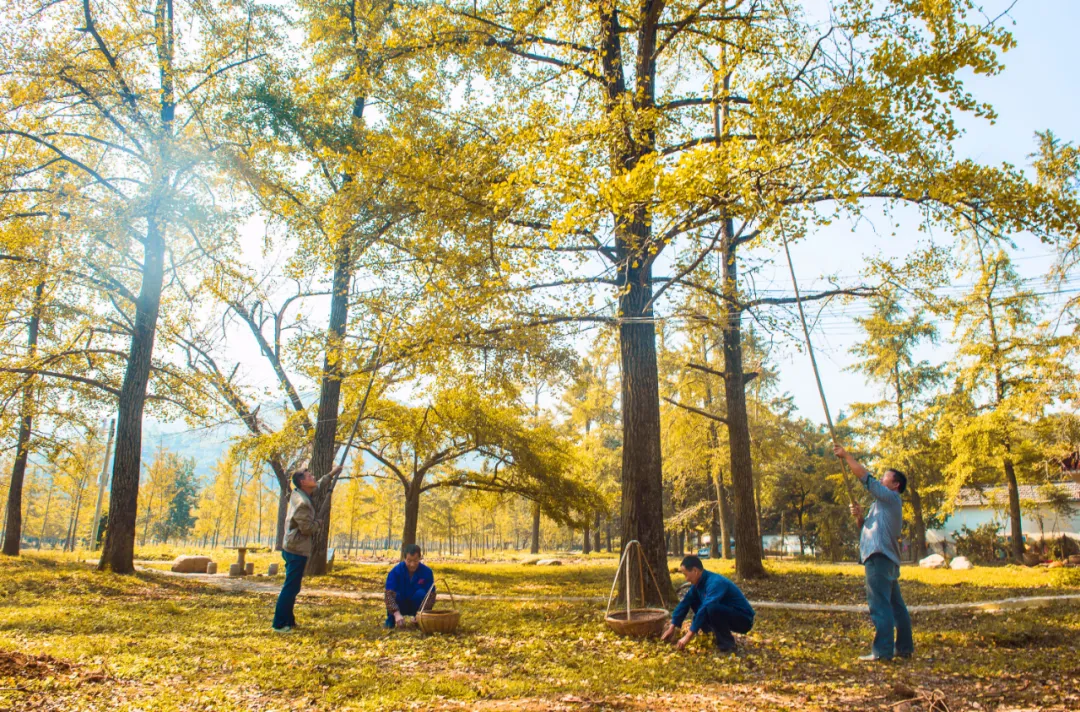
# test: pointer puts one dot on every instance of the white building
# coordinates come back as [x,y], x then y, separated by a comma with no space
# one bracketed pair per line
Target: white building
[976,507]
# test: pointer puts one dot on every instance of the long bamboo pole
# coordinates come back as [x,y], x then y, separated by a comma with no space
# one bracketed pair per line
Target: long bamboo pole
[813,362]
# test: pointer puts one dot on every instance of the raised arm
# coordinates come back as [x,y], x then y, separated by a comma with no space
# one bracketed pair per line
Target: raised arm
[328,476]
[861,472]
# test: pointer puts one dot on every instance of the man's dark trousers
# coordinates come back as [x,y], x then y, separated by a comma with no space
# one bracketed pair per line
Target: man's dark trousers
[408,607]
[721,621]
[887,608]
[294,574]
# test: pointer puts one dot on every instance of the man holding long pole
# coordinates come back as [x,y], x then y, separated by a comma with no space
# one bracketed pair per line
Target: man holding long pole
[300,524]
[879,552]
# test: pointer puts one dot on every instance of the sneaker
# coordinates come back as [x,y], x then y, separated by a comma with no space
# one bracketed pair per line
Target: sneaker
[286,629]
[872,658]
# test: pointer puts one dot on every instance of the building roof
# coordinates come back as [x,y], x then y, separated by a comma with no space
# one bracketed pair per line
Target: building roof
[976,497]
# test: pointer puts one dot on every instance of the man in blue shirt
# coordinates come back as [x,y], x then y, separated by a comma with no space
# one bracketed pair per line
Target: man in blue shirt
[407,585]
[718,604]
[879,552]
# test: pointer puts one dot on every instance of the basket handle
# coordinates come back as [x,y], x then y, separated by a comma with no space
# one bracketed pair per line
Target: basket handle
[453,603]
[618,571]
[615,583]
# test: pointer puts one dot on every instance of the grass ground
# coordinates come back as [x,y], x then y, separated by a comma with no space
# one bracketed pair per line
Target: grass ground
[71,638]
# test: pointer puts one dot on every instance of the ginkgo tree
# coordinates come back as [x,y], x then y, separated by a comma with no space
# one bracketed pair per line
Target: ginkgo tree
[121,102]
[470,438]
[1010,367]
[886,356]
[636,139]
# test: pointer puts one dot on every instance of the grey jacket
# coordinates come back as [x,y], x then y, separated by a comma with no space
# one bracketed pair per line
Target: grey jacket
[299,524]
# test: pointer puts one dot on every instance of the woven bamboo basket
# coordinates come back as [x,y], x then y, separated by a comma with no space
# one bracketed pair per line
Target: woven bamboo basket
[439,621]
[642,623]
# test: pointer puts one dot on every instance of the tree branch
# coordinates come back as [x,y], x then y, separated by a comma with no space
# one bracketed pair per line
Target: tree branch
[696,411]
[747,377]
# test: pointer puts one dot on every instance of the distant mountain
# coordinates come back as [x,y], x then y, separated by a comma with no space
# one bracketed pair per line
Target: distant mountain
[205,445]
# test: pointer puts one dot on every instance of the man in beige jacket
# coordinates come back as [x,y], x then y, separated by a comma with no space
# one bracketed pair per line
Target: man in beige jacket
[300,524]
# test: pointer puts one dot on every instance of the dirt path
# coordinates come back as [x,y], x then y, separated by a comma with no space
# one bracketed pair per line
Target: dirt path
[254,585]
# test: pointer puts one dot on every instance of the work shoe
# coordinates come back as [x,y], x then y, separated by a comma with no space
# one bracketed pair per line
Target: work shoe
[286,629]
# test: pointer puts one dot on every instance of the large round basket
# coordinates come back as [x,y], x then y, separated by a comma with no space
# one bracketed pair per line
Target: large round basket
[438,621]
[642,622]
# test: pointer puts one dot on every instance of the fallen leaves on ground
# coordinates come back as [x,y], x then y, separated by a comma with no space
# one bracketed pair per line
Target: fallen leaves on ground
[180,645]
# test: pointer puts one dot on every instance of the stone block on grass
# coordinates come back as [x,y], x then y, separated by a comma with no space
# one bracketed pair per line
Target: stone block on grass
[934,561]
[960,563]
[185,564]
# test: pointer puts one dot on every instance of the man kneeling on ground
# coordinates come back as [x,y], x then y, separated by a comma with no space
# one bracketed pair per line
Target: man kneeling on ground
[406,586]
[718,604]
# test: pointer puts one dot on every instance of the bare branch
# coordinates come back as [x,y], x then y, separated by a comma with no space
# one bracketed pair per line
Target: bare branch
[696,411]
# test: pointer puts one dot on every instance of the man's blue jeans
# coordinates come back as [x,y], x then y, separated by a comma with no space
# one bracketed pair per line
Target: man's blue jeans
[721,620]
[294,574]
[887,609]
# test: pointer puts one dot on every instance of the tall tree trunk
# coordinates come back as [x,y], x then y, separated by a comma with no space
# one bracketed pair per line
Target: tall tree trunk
[284,493]
[596,533]
[719,540]
[75,518]
[586,540]
[642,480]
[757,505]
[412,517]
[534,545]
[642,483]
[118,552]
[282,513]
[45,519]
[725,514]
[747,544]
[13,522]
[323,449]
[1014,509]
[714,533]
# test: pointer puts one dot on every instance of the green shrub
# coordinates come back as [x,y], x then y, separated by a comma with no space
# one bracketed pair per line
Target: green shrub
[982,545]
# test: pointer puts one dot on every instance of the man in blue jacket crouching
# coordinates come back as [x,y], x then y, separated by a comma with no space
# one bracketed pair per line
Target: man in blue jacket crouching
[718,604]
[407,585]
